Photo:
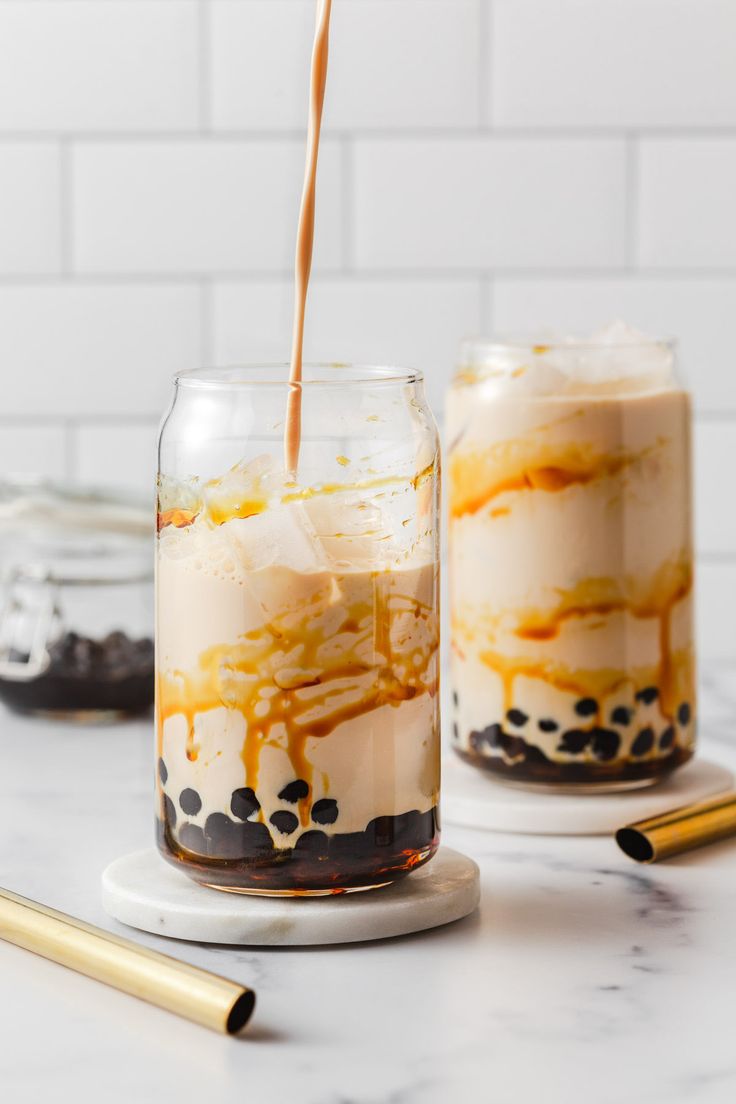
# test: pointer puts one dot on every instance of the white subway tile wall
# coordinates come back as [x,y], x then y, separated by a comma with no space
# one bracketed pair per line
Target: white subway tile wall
[487,164]
[368,321]
[613,63]
[120,456]
[393,65]
[30,208]
[489,203]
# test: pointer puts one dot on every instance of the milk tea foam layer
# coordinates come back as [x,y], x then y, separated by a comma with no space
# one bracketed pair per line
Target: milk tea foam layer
[571,553]
[297,644]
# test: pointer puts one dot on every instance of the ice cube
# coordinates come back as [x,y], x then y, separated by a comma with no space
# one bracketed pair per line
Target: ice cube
[243,491]
[353,531]
[179,502]
[614,358]
[286,566]
[282,534]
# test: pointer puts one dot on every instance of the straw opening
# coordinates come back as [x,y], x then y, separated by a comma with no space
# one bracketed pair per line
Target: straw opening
[635,845]
[241,1012]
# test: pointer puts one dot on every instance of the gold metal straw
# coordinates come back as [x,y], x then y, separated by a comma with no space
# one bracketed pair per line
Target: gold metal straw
[680,830]
[186,990]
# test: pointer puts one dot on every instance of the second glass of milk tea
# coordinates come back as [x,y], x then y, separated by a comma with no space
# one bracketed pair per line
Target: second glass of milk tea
[571,561]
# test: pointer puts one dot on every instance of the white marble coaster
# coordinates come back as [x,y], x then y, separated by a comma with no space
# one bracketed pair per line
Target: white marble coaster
[145,892]
[475,799]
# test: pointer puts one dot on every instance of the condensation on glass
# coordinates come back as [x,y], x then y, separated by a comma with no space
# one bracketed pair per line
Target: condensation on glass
[571,562]
[297,631]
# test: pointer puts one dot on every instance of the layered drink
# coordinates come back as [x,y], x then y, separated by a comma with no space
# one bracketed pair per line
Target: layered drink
[571,561]
[297,641]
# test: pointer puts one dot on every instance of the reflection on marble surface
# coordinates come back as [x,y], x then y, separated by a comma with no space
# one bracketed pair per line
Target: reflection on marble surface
[584,977]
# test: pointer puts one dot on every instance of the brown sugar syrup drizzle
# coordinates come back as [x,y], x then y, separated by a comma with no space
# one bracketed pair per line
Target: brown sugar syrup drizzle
[672,583]
[304,674]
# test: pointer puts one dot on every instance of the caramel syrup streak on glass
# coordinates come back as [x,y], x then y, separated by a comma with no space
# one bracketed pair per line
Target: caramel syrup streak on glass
[305,236]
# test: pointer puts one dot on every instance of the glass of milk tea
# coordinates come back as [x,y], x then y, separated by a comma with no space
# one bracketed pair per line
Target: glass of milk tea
[297,631]
[571,561]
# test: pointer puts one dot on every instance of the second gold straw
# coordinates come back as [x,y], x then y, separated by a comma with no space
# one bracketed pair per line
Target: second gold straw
[681,830]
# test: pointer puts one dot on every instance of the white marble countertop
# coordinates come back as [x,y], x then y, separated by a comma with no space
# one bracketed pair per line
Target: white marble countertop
[584,977]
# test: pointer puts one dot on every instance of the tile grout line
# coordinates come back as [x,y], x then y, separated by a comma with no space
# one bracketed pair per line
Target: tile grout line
[485,62]
[71,449]
[77,421]
[487,303]
[631,202]
[204,30]
[448,133]
[348,206]
[410,274]
[66,207]
[206,323]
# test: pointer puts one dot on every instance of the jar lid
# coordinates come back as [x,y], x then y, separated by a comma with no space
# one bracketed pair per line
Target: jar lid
[54,532]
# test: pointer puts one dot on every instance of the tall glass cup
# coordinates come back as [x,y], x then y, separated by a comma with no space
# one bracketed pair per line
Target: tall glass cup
[297,631]
[571,562]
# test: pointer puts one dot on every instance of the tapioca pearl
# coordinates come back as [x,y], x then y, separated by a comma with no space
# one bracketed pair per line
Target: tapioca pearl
[605,743]
[644,742]
[219,836]
[325,811]
[622,715]
[684,713]
[455,699]
[455,731]
[535,754]
[313,842]
[229,839]
[648,695]
[517,717]
[514,746]
[586,707]
[667,738]
[244,803]
[255,839]
[169,811]
[381,831]
[547,725]
[190,802]
[351,847]
[284,821]
[162,772]
[489,737]
[295,791]
[191,837]
[574,741]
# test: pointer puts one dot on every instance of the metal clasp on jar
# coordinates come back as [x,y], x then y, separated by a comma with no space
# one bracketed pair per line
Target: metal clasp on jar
[26,627]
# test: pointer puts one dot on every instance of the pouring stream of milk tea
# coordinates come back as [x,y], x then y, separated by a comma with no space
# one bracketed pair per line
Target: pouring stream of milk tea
[305,236]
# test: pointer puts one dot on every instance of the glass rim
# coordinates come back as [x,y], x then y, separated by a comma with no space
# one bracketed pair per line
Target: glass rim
[539,344]
[329,374]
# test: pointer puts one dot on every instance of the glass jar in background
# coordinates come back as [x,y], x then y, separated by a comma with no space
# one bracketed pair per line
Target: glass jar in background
[571,561]
[297,631]
[77,602]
